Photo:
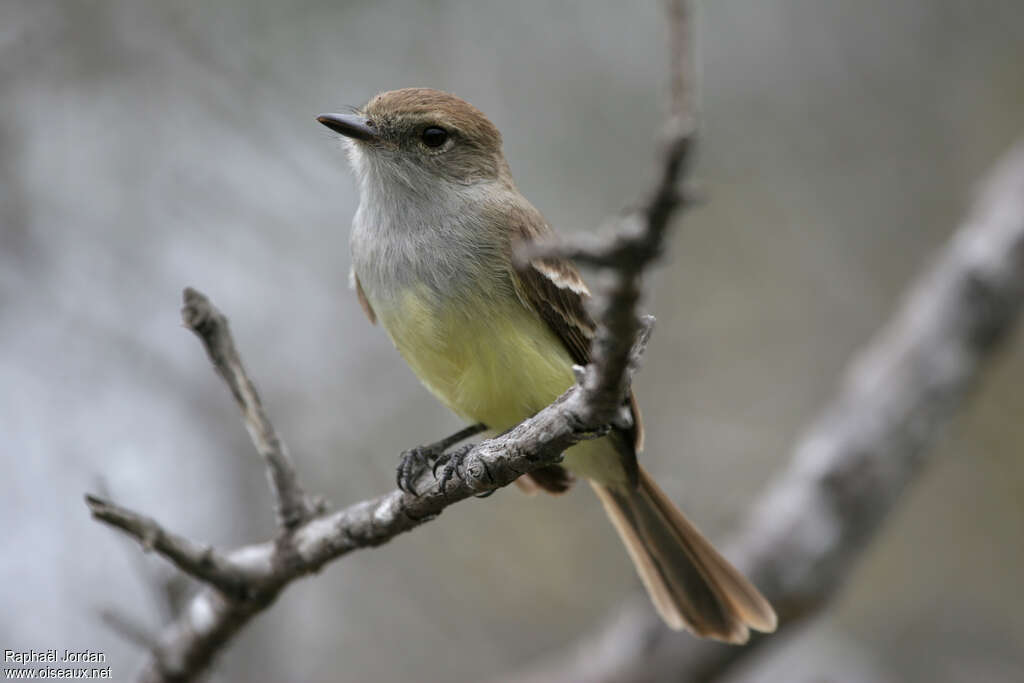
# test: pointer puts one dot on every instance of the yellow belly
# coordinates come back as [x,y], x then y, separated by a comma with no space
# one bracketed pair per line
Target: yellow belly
[495,368]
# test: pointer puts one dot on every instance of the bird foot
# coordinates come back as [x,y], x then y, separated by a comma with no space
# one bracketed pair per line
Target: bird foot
[414,462]
[451,465]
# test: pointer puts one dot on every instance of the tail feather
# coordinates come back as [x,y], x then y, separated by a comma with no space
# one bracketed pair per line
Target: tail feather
[691,585]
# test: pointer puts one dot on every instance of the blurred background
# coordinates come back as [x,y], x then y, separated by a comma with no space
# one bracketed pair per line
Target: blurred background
[146,146]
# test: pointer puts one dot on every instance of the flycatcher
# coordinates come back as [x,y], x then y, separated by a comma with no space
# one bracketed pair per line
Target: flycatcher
[432,247]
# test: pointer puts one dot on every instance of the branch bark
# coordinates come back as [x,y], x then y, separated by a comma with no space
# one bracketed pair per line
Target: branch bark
[853,463]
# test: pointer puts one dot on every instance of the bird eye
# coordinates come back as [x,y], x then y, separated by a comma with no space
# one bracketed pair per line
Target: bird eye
[434,136]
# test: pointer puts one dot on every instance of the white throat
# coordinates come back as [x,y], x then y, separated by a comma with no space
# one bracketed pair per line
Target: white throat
[415,229]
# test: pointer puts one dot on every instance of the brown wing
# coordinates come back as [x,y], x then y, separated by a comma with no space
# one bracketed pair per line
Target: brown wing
[554,289]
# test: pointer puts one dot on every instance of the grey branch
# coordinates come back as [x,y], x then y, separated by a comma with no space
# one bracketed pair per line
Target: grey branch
[639,237]
[851,466]
[240,584]
[243,582]
[202,562]
[211,326]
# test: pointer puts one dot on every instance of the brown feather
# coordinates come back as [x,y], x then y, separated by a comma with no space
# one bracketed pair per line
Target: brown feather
[691,585]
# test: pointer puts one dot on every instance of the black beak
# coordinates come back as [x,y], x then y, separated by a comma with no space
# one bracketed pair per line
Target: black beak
[349,125]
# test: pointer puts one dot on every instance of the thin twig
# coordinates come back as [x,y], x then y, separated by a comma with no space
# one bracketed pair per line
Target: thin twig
[202,562]
[639,238]
[211,326]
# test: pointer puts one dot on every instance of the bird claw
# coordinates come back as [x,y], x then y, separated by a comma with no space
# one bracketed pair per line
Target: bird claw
[414,462]
[452,465]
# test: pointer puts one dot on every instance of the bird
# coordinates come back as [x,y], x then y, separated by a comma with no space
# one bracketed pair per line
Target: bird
[433,247]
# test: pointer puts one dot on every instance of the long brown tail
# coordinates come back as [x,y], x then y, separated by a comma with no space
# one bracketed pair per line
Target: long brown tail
[691,584]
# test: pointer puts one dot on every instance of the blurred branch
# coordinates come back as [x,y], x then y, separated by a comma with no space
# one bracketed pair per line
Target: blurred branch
[852,465]
[241,583]
[128,628]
